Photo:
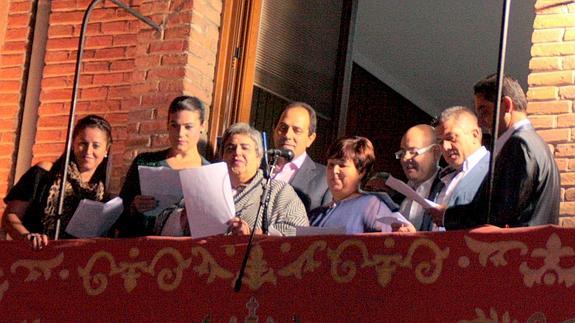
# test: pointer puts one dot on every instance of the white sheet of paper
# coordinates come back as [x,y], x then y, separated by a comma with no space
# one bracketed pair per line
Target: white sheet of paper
[318,231]
[93,218]
[409,193]
[163,183]
[209,200]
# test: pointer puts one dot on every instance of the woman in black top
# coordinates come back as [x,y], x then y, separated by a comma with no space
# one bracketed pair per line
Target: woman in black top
[32,204]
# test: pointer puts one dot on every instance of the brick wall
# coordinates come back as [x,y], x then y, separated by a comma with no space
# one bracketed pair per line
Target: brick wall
[130,73]
[552,91]
[13,50]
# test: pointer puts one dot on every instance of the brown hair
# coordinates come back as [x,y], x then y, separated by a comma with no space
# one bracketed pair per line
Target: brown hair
[356,148]
[94,121]
[188,103]
[103,171]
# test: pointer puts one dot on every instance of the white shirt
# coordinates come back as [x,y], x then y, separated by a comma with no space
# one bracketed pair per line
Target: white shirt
[413,211]
[456,177]
[500,142]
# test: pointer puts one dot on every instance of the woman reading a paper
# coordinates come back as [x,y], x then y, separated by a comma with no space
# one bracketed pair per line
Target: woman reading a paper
[186,122]
[32,204]
[242,150]
[350,160]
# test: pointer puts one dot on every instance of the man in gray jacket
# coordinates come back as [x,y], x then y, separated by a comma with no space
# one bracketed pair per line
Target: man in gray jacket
[526,184]
[296,131]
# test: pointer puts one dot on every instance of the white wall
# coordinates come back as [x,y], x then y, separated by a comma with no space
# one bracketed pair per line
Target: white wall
[433,51]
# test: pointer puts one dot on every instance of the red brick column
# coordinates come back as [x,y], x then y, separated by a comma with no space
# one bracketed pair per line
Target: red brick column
[552,91]
[13,55]
[180,61]
[106,77]
[131,72]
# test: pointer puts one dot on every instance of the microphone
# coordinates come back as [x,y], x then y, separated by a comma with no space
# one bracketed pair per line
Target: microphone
[285,153]
[266,162]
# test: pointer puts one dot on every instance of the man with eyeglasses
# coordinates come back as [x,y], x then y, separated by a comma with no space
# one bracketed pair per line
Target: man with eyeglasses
[419,157]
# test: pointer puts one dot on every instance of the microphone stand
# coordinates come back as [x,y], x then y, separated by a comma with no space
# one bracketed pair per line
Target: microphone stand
[262,212]
[266,160]
[263,209]
[76,84]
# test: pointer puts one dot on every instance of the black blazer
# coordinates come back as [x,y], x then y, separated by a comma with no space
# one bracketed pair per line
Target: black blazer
[526,188]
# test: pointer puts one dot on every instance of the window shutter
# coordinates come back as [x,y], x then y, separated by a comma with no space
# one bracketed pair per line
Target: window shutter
[297,50]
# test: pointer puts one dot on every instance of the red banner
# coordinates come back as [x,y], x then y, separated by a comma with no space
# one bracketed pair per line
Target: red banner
[503,275]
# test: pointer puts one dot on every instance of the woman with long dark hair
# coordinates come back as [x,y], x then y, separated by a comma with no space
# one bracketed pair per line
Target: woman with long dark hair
[32,204]
[186,123]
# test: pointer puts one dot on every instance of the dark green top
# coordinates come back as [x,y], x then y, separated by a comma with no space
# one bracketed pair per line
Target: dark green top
[131,222]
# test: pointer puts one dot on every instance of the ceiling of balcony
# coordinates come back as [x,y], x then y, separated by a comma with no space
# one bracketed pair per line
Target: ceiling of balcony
[432,52]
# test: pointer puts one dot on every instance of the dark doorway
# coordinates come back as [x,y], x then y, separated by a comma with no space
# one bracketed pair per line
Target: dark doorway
[379,113]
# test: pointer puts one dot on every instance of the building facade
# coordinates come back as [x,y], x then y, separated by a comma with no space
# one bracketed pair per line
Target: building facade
[130,73]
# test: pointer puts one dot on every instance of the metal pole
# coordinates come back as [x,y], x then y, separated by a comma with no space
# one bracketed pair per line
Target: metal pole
[72,116]
[262,210]
[495,130]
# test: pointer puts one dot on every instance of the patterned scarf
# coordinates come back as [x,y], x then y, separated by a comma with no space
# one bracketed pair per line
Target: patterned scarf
[75,191]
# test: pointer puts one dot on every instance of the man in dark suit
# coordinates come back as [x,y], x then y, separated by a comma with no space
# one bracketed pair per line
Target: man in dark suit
[526,189]
[296,131]
[419,157]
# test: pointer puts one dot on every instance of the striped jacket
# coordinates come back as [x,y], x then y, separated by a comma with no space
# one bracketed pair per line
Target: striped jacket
[285,210]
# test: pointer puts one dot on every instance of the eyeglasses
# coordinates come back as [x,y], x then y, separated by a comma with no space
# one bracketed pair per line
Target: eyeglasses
[413,152]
